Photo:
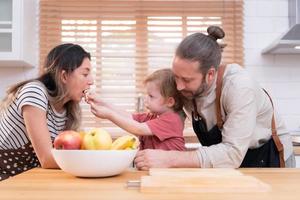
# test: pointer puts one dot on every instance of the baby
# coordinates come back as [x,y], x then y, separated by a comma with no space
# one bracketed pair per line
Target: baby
[161,127]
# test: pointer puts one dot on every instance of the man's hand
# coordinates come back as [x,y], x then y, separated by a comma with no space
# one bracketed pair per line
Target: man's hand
[151,158]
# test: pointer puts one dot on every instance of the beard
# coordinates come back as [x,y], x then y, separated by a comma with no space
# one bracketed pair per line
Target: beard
[199,92]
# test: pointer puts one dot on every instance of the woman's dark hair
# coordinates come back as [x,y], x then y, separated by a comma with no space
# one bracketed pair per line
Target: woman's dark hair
[67,57]
[203,48]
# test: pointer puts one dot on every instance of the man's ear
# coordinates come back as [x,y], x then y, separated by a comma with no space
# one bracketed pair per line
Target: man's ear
[170,102]
[210,76]
[64,76]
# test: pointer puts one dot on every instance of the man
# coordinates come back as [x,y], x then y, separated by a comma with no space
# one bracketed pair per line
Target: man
[236,127]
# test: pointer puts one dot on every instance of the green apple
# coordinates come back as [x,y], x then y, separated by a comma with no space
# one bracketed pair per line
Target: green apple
[97,139]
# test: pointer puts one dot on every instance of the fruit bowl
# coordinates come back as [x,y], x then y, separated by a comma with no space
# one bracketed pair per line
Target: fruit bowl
[94,163]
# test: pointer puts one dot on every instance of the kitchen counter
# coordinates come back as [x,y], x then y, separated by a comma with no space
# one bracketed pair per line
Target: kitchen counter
[55,184]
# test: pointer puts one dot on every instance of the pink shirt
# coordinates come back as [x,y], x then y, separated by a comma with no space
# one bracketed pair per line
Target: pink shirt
[167,130]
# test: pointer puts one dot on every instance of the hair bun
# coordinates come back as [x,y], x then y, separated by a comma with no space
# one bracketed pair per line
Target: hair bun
[215,32]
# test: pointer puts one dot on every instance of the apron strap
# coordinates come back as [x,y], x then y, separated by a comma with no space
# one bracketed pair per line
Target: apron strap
[275,137]
[219,83]
[220,122]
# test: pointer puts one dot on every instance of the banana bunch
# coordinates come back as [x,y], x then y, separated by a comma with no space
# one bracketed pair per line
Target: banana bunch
[125,142]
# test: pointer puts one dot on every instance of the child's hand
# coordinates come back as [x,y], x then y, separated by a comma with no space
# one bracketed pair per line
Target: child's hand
[87,93]
[100,111]
[92,98]
[98,107]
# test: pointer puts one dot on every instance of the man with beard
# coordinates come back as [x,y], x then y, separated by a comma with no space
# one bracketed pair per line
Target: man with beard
[233,117]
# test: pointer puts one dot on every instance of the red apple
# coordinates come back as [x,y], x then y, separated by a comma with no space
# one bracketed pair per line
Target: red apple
[68,140]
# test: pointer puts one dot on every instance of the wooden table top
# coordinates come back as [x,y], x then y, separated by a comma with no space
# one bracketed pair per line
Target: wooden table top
[55,184]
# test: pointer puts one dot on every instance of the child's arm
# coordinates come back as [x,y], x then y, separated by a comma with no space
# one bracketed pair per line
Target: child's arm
[130,125]
[92,98]
[122,119]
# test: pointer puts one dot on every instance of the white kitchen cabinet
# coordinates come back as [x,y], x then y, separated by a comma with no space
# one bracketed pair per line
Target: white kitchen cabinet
[18,33]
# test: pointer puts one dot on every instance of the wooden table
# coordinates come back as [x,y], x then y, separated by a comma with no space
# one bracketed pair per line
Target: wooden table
[55,184]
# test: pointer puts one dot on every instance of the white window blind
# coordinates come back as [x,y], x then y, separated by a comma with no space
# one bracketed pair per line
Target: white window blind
[130,39]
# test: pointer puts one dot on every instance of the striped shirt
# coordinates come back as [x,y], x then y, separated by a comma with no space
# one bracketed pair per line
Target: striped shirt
[13,133]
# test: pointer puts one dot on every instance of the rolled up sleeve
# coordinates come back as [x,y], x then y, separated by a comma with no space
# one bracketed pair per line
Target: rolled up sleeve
[240,107]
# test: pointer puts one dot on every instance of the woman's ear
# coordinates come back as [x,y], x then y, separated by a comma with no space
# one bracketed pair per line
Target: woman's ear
[170,102]
[64,76]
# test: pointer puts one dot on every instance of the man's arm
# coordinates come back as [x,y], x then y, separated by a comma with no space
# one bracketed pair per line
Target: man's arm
[150,158]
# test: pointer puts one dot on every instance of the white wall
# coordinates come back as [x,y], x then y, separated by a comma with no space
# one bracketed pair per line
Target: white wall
[264,21]
[12,75]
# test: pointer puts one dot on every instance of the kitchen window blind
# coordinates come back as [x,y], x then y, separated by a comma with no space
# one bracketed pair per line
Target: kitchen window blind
[130,39]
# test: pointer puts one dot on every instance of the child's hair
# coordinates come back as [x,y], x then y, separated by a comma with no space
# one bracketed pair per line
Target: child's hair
[167,85]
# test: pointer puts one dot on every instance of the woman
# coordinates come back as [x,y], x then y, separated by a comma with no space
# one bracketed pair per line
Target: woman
[35,111]
[234,126]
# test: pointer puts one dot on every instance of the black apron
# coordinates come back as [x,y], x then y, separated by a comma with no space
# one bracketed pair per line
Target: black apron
[264,156]
[16,161]
[269,154]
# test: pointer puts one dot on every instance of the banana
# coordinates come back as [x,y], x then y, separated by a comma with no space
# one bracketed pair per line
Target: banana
[125,142]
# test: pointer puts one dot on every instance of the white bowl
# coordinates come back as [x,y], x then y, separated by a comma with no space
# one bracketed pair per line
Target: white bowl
[94,163]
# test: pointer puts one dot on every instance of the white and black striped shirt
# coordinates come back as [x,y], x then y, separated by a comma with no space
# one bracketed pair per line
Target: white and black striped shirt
[13,133]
